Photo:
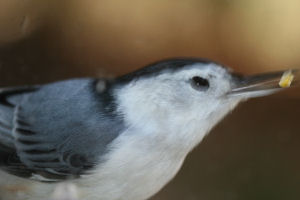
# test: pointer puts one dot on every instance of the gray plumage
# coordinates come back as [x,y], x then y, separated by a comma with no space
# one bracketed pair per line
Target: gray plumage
[116,139]
[44,128]
[60,130]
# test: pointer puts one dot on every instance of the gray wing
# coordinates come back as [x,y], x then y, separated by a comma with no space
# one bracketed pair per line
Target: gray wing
[58,131]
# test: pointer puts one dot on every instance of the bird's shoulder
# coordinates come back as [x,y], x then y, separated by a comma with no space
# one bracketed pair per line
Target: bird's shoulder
[57,130]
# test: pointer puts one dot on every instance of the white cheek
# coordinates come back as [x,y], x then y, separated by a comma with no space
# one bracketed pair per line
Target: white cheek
[143,100]
[172,109]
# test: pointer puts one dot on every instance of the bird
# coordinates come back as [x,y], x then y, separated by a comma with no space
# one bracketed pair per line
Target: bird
[122,138]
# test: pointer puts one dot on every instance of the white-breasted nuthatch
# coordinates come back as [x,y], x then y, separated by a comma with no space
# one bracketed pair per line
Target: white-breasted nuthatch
[116,139]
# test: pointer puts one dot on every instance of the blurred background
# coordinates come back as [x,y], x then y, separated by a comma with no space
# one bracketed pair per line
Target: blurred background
[254,152]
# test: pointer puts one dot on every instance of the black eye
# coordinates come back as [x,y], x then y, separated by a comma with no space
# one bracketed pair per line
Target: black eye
[199,83]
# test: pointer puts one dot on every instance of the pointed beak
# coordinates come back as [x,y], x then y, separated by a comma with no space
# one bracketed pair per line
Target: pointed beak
[263,84]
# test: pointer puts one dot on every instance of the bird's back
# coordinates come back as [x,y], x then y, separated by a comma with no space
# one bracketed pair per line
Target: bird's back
[57,131]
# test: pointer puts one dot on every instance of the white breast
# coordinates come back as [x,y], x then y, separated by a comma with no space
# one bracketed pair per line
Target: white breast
[135,171]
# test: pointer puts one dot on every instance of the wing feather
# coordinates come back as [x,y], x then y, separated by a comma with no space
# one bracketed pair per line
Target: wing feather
[55,131]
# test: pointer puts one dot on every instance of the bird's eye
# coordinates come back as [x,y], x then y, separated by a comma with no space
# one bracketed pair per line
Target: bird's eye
[199,83]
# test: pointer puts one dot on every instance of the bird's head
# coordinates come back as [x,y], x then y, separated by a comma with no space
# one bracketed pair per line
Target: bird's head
[187,95]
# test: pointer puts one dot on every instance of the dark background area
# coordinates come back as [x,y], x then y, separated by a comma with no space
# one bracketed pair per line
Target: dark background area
[254,152]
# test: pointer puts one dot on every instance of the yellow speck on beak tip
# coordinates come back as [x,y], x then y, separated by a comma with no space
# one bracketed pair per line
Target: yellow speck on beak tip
[286,79]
